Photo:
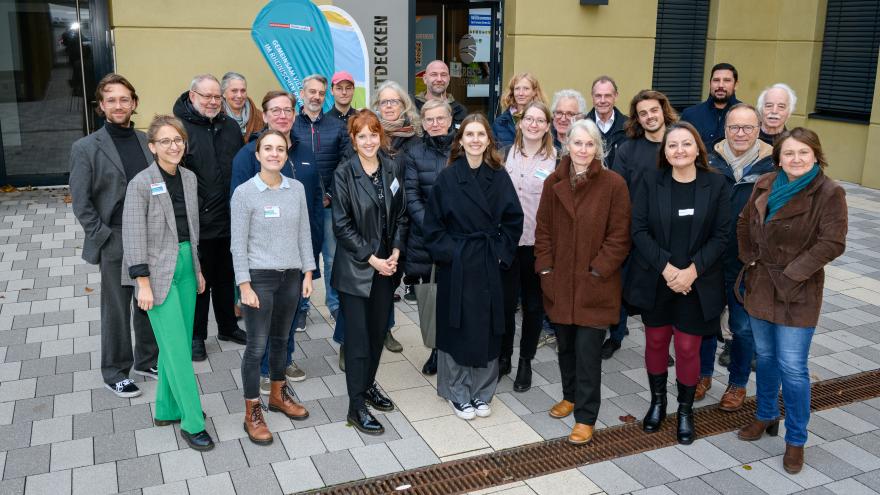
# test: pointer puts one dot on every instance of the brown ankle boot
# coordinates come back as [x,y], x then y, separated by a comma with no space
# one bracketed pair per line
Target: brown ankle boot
[793,460]
[255,424]
[755,430]
[281,400]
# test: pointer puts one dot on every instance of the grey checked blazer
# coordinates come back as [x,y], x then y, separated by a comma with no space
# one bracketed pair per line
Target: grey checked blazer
[97,185]
[149,229]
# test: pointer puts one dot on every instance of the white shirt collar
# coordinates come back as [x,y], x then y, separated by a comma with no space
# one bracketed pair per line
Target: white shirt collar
[262,186]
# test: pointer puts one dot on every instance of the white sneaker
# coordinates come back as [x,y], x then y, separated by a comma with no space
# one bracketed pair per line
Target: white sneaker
[265,385]
[463,410]
[481,408]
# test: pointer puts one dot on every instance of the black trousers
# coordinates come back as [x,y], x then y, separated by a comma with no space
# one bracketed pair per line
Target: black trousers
[366,323]
[521,282]
[216,260]
[580,364]
[278,292]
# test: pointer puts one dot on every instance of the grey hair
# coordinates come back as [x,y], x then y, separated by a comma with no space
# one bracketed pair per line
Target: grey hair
[743,106]
[202,77]
[228,78]
[409,110]
[792,98]
[432,104]
[592,130]
[315,77]
[569,93]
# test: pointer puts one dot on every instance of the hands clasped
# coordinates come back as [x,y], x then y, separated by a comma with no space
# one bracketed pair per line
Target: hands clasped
[386,267]
[680,280]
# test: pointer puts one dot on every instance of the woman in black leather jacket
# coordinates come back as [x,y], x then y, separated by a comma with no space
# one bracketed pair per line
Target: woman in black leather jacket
[370,224]
[425,158]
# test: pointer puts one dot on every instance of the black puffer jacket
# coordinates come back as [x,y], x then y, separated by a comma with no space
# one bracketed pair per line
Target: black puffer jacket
[210,147]
[425,158]
[327,139]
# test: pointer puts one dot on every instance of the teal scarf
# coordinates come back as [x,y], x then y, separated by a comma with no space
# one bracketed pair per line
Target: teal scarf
[783,190]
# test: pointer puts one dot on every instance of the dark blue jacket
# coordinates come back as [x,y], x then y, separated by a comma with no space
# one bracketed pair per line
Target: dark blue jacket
[504,129]
[708,119]
[741,191]
[299,166]
[327,139]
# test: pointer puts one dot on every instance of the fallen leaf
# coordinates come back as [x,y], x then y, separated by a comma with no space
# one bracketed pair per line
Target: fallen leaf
[747,467]
[68,199]
[8,188]
[627,419]
[815,378]
[89,290]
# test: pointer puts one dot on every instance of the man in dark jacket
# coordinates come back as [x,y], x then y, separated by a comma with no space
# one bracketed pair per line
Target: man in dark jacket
[607,117]
[342,87]
[742,158]
[327,140]
[101,166]
[213,139]
[708,116]
[436,83]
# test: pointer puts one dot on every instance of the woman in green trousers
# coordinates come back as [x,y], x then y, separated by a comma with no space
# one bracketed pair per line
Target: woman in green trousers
[160,232]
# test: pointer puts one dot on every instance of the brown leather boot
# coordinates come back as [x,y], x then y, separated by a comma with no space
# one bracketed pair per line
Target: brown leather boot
[255,424]
[282,401]
[703,385]
[733,398]
[562,409]
[793,460]
[755,430]
[581,434]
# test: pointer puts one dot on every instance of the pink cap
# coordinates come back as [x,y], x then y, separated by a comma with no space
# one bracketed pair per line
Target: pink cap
[341,76]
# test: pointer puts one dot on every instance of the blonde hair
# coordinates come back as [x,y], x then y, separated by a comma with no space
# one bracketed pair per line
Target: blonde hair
[507,100]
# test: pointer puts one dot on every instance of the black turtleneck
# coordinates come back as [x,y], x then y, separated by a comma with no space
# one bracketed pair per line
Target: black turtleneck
[133,160]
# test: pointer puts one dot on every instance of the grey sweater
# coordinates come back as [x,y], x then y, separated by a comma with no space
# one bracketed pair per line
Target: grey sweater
[270,228]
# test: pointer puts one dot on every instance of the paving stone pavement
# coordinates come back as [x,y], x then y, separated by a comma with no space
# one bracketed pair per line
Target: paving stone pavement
[62,432]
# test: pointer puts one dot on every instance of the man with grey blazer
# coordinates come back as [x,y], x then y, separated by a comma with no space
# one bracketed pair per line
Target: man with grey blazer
[101,166]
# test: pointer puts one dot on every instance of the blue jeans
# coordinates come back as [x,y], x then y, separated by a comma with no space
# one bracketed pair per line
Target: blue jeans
[328,251]
[782,360]
[742,349]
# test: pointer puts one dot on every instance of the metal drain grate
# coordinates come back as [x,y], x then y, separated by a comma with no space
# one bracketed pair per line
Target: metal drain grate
[519,463]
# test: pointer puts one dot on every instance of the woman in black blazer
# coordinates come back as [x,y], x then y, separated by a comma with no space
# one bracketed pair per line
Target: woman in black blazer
[370,224]
[680,222]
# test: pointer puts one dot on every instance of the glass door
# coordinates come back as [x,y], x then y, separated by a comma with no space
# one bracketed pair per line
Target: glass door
[47,82]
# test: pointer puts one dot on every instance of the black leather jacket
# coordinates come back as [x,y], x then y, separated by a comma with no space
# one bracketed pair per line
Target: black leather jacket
[356,222]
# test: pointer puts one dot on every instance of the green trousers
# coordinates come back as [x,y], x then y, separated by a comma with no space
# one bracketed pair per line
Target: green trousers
[177,395]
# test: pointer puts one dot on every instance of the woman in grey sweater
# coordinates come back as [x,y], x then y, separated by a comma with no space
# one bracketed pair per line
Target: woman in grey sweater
[271,247]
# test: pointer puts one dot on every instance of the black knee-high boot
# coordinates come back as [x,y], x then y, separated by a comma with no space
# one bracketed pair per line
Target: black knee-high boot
[657,410]
[686,433]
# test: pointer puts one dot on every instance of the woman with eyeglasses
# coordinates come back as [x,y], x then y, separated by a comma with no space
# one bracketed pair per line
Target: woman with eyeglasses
[529,161]
[425,158]
[273,256]
[279,115]
[521,90]
[160,232]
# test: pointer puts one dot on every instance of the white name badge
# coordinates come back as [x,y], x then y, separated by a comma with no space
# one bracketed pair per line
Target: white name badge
[271,212]
[158,188]
[395,186]
[542,174]
[689,212]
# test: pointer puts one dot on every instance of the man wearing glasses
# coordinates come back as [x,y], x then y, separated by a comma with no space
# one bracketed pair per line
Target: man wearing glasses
[607,117]
[742,158]
[101,165]
[568,106]
[214,139]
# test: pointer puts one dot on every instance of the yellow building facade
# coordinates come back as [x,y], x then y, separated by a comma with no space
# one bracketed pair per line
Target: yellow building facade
[161,44]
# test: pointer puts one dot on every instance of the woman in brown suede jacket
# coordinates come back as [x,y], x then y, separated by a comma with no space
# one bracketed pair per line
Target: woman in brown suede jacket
[794,224]
[581,239]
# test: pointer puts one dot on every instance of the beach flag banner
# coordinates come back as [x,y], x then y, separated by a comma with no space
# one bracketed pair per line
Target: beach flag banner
[350,52]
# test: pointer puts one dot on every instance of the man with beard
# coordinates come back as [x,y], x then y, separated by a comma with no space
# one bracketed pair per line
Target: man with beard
[708,116]
[608,118]
[326,140]
[101,166]
[213,140]
[649,114]
[436,82]
[342,88]
[775,104]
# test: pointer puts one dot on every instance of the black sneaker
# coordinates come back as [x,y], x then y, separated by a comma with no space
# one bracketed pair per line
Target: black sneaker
[149,373]
[302,321]
[198,350]
[125,389]
[409,293]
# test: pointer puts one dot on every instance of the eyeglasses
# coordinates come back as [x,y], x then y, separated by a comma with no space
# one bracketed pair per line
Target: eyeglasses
[567,115]
[277,111]
[435,120]
[531,120]
[167,142]
[747,129]
[123,102]
[390,103]
[216,98]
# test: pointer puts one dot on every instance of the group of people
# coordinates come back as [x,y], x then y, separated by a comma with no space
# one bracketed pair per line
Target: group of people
[715,224]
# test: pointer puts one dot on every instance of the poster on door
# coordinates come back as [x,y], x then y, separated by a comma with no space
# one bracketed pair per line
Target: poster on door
[475,51]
